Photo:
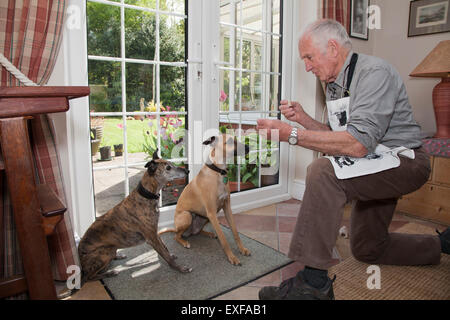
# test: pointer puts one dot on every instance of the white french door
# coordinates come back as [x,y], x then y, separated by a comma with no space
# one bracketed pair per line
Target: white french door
[158,66]
[238,73]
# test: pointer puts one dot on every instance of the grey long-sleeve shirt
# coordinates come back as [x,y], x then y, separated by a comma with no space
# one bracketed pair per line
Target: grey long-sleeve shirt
[379,107]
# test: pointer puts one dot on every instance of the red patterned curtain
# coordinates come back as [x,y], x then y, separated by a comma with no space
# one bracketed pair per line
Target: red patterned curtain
[338,10]
[30,37]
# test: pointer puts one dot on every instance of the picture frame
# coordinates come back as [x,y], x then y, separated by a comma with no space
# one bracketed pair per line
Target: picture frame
[428,17]
[359,19]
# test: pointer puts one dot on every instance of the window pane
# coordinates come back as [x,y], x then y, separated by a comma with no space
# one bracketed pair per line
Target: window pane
[111,145]
[276,16]
[109,188]
[106,87]
[251,14]
[173,139]
[172,92]
[275,53]
[151,4]
[251,91]
[171,32]
[224,94]
[140,86]
[103,29]
[226,11]
[274,94]
[137,128]
[140,33]
[173,189]
[173,6]
[226,34]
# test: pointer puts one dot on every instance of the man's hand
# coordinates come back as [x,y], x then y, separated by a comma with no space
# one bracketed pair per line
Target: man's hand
[292,110]
[264,126]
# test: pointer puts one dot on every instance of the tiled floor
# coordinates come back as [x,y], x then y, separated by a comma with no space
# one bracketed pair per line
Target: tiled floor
[272,225]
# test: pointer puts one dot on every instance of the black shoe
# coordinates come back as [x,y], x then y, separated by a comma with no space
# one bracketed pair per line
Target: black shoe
[445,240]
[297,289]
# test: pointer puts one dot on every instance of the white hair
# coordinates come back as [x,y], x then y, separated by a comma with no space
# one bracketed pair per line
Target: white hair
[324,30]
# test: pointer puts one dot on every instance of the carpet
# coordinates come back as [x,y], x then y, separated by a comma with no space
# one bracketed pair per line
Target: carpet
[396,282]
[144,275]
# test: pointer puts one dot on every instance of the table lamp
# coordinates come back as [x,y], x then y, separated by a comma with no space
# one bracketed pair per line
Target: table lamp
[437,65]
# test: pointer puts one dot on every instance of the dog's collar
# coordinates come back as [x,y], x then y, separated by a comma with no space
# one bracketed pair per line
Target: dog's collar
[212,166]
[145,193]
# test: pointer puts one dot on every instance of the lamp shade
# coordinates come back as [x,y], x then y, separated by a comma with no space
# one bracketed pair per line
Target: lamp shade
[436,64]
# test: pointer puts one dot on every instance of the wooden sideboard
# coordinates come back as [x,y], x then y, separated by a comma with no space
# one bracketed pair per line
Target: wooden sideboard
[432,200]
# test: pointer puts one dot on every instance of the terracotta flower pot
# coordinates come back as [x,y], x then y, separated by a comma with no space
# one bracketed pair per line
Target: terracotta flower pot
[233,185]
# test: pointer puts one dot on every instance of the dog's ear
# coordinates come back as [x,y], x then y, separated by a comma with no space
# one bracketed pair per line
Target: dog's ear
[211,141]
[151,167]
[155,154]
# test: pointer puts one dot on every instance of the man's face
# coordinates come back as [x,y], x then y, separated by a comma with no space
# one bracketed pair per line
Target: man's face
[323,65]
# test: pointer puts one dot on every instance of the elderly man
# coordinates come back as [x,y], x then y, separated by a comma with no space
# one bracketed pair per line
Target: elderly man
[372,109]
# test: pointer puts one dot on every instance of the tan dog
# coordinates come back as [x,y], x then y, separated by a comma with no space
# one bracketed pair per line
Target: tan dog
[130,223]
[207,194]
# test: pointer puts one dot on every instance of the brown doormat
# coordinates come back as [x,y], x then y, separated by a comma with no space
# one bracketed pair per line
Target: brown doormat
[396,282]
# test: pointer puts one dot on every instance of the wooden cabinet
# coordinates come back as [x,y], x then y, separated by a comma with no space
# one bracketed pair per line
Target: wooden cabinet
[432,201]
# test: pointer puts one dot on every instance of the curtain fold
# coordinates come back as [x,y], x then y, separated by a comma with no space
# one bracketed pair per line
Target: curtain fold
[338,10]
[30,38]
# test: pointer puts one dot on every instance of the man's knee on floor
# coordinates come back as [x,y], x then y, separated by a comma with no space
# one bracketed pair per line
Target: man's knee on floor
[366,252]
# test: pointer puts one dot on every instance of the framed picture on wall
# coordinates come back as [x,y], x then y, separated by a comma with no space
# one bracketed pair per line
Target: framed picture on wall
[358,19]
[428,17]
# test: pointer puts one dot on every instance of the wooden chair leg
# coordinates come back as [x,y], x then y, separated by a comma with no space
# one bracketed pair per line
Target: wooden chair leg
[19,170]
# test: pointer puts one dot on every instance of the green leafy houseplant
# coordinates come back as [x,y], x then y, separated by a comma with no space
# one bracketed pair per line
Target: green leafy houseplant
[248,168]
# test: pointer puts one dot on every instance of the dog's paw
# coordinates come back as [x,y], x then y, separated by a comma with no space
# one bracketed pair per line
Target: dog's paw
[185,269]
[173,256]
[245,252]
[234,261]
[120,256]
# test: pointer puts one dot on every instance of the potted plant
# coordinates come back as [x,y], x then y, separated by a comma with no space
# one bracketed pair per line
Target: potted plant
[105,153]
[118,149]
[248,174]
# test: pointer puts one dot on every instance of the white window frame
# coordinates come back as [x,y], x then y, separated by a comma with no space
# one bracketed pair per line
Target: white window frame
[203,90]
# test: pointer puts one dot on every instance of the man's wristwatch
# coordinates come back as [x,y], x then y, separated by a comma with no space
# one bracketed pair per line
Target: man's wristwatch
[293,139]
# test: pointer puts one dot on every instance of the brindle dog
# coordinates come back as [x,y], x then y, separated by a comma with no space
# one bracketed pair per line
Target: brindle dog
[129,224]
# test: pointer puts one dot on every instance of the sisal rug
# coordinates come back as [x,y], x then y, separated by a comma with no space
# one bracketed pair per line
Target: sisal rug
[144,275]
[396,282]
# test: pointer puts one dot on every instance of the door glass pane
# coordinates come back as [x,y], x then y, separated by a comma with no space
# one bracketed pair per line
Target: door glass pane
[103,23]
[105,84]
[140,34]
[151,4]
[172,38]
[251,14]
[173,88]
[250,89]
[153,86]
[109,188]
[140,86]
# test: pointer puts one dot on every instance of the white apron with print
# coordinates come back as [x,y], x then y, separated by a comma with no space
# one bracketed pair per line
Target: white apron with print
[383,158]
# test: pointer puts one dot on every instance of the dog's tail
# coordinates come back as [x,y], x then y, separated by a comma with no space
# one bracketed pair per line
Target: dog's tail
[165,230]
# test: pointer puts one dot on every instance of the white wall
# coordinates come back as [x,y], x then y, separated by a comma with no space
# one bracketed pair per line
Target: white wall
[392,44]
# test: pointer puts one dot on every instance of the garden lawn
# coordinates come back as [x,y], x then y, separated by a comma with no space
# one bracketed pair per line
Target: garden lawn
[113,133]
[136,129]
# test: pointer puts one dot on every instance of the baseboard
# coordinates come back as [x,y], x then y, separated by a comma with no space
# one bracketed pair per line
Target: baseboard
[297,189]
